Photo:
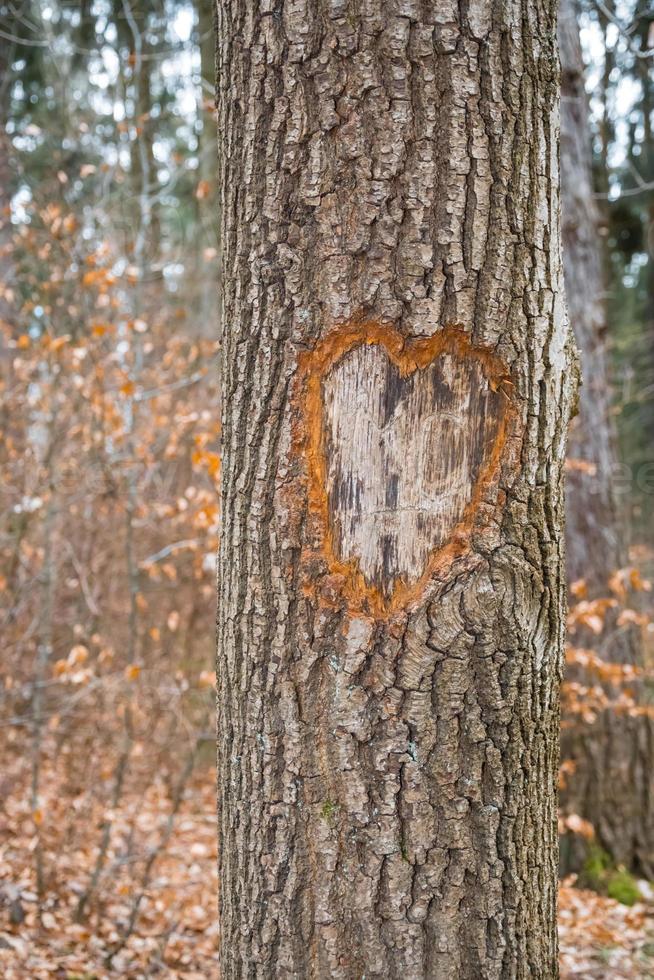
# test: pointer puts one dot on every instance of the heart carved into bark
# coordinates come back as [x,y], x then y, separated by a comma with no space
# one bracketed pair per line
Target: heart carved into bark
[403,438]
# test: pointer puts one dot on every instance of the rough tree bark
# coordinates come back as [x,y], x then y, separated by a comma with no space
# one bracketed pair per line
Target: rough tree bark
[397,380]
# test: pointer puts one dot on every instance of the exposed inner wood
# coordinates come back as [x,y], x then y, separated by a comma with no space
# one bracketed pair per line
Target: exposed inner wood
[403,457]
[403,438]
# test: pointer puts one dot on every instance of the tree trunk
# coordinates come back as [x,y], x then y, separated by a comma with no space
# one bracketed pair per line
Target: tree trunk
[7,187]
[208,218]
[595,539]
[612,786]
[397,380]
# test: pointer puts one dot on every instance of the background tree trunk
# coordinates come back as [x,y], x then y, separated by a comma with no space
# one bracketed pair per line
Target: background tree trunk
[613,788]
[388,758]
[595,544]
[7,187]
[613,783]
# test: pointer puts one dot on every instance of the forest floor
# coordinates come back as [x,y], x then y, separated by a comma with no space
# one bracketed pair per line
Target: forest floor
[172,898]
[601,939]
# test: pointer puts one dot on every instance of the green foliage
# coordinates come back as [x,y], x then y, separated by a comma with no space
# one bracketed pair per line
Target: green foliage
[601,875]
[622,887]
[595,867]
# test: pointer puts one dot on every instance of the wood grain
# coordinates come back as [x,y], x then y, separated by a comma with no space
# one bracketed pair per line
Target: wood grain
[403,438]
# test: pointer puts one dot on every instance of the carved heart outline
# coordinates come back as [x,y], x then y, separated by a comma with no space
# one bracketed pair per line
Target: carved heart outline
[408,355]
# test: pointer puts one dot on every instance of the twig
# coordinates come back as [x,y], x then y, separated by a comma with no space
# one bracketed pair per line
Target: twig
[107,826]
[44,653]
[644,188]
[624,31]
[154,854]
[168,550]
[173,386]
[81,574]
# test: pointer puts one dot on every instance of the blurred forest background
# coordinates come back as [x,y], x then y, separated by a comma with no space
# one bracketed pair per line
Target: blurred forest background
[109,409]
